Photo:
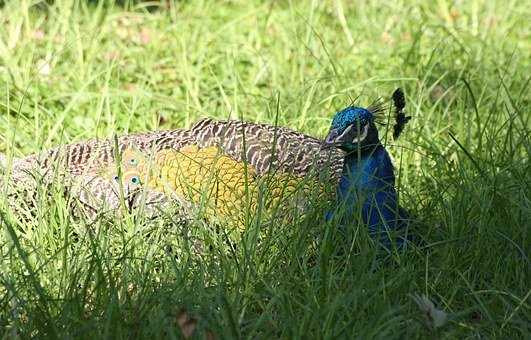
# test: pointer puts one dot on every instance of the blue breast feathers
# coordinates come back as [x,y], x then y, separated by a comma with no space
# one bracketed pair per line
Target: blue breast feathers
[367,188]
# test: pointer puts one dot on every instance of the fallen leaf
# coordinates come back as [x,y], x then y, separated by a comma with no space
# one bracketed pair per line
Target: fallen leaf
[186,323]
[433,316]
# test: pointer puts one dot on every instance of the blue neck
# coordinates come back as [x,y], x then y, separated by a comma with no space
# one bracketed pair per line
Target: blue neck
[368,172]
[367,188]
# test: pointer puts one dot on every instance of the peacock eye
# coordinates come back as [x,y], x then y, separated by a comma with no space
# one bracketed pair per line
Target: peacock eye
[135,180]
[116,178]
[132,161]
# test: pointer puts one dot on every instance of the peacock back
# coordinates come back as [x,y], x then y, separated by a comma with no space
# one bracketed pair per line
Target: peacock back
[223,165]
[226,188]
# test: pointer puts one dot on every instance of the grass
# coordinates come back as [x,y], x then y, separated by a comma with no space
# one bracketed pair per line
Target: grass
[72,70]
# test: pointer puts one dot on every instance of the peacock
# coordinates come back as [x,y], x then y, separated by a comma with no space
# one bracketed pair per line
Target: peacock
[368,181]
[235,164]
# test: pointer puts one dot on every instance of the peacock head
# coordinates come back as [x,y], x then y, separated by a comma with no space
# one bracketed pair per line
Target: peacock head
[353,129]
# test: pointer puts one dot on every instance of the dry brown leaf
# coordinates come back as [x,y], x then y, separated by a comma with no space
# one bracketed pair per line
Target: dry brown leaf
[186,323]
[433,317]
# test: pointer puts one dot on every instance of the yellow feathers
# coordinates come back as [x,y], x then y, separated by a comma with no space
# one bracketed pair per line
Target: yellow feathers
[227,189]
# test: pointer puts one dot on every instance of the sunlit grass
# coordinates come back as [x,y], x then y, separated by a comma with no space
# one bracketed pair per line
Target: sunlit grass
[76,70]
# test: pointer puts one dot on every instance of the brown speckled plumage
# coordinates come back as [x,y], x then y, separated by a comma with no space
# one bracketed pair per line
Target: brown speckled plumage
[265,147]
[269,148]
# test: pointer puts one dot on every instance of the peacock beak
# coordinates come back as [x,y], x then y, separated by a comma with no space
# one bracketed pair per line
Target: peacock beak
[350,135]
[331,137]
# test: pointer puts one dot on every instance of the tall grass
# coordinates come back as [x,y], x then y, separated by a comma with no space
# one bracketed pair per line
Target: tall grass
[72,70]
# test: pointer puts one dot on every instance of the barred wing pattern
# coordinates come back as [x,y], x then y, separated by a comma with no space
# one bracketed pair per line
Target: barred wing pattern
[88,157]
[268,149]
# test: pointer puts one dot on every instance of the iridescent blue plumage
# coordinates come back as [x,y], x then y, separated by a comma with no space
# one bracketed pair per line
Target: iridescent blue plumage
[350,115]
[367,185]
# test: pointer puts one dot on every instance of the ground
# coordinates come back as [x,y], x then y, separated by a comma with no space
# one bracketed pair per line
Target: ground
[72,70]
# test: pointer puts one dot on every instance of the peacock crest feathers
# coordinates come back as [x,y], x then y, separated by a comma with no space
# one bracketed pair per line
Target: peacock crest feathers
[399,101]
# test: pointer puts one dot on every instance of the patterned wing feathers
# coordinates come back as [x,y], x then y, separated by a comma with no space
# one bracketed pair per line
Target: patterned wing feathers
[268,148]
[225,161]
